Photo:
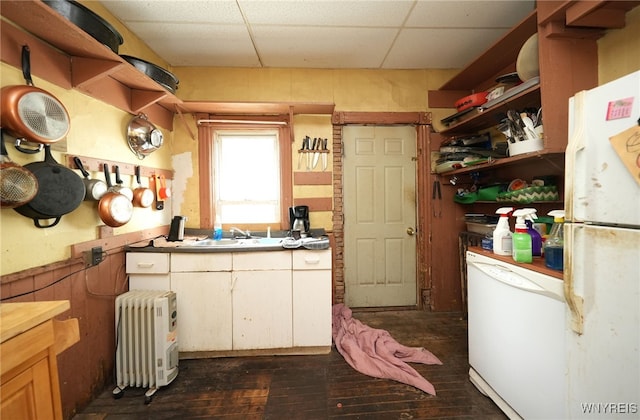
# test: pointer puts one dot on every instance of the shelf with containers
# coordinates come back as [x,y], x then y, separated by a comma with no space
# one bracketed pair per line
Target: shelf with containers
[568,63]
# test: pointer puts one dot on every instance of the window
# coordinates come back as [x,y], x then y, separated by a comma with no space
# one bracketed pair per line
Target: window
[245,172]
[246,176]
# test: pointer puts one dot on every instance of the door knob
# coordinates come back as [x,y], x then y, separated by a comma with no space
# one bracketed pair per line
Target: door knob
[410,231]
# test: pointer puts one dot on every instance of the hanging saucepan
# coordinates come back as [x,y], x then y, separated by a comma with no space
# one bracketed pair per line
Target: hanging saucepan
[143,137]
[126,191]
[142,196]
[32,113]
[60,191]
[94,188]
[18,185]
[114,208]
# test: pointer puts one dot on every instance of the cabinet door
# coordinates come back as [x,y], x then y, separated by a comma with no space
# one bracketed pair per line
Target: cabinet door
[262,315]
[311,308]
[28,395]
[149,282]
[204,310]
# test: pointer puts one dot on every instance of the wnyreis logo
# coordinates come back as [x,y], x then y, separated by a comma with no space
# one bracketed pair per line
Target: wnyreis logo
[609,408]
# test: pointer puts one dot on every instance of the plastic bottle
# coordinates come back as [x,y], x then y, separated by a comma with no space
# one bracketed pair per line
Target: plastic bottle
[521,239]
[217,229]
[502,234]
[554,245]
[536,238]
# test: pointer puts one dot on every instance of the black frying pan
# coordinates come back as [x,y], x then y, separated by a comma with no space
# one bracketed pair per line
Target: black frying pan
[60,191]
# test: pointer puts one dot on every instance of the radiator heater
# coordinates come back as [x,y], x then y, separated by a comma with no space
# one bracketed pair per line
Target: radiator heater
[147,341]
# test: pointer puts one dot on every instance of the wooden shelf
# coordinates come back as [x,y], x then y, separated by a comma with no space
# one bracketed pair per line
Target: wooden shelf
[551,158]
[256,108]
[65,55]
[477,120]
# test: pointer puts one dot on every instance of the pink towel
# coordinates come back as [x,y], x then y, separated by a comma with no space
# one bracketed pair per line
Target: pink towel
[375,353]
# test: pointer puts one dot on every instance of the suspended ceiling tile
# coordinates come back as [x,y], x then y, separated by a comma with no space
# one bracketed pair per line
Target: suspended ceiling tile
[469,14]
[382,13]
[424,48]
[322,47]
[200,45]
[191,11]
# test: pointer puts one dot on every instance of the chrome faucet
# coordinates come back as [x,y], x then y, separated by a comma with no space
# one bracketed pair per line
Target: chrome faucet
[246,234]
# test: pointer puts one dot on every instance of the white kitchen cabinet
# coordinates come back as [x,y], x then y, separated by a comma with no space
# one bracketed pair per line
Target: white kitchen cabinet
[311,298]
[262,316]
[203,289]
[243,301]
[148,270]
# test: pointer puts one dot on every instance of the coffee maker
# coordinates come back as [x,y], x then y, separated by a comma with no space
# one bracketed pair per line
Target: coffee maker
[299,219]
[176,232]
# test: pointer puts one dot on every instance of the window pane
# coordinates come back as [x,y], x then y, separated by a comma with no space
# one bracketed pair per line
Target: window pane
[247,176]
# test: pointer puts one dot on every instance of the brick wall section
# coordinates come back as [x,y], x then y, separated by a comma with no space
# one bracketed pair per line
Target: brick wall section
[338,218]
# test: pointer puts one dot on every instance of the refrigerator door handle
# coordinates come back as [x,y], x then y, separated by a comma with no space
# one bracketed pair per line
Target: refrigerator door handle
[574,301]
[574,145]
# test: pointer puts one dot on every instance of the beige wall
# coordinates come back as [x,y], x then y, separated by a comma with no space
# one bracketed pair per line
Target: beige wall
[349,90]
[619,50]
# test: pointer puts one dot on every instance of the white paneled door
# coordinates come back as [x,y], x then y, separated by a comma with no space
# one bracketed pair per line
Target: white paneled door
[380,215]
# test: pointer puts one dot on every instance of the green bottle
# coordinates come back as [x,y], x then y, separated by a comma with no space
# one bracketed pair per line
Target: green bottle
[522,244]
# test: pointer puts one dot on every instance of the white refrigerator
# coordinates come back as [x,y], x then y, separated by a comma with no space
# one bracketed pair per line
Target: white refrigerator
[602,251]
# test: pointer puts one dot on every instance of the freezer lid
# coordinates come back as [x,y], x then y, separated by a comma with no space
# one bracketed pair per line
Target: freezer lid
[598,187]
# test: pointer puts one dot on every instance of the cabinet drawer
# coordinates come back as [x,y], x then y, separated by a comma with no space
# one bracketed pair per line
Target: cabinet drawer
[147,262]
[200,262]
[312,260]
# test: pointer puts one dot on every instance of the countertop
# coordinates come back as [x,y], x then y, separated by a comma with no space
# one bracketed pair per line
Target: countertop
[20,317]
[161,244]
[537,264]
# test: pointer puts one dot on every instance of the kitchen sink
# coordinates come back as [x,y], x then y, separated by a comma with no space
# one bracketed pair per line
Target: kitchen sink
[239,243]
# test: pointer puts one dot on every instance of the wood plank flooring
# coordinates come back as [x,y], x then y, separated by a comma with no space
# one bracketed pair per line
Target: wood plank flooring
[317,386]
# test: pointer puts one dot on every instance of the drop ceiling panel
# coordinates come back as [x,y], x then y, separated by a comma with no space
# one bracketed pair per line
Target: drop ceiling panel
[424,48]
[322,47]
[468,14]
[327,13]
[199,44]
[190,11]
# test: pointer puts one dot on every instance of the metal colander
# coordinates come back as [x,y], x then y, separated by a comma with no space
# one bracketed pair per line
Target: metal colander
[18,185]
[44,115]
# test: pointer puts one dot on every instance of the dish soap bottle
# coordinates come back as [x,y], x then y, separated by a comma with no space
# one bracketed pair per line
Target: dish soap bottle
[554,245]
[522,252]
[217,229]
[536,238]
[502,234]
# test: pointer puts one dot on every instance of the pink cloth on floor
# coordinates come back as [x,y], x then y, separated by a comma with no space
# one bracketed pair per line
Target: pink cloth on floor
[375,353]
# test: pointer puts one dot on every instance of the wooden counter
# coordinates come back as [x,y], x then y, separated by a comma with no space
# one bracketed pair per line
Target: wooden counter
[537,264]
[30,341]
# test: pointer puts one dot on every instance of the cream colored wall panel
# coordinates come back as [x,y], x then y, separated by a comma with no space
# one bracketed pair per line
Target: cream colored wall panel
[613,50]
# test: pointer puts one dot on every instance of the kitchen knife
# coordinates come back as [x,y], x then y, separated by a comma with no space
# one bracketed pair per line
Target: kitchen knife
[325,155]
[316,154]
[301,152]
[309,155]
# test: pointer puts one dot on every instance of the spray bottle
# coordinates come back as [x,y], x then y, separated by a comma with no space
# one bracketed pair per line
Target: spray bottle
[522,251]
[502,234]
[554,245]
[536,238]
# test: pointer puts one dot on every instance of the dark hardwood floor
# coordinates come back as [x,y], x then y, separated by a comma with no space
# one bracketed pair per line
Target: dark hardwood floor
[318,386]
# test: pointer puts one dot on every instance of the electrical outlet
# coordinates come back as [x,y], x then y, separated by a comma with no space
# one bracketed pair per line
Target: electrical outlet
[93,257]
